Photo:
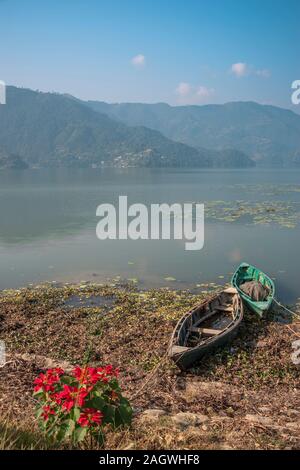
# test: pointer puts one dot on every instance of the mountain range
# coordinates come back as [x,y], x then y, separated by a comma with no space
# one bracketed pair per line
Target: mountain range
[268,134]
[11,161]
[49,129]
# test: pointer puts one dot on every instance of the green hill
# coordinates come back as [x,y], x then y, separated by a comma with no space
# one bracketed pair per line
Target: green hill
[268,134]
[11,161]
[48,129]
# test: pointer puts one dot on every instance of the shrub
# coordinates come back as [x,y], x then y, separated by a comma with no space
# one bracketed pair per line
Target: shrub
[83,403]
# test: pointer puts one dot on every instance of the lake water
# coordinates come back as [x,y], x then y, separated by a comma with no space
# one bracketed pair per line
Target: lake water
[48,227]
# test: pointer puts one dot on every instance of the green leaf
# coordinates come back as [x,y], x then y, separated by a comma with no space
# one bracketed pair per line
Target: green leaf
[123,414]
[70,428]
[60,436]
[39,392]
[96,402]
[65,379]
[79,434]
[109,412]
[39,412]
[76,413]
[51,431]
[114,385]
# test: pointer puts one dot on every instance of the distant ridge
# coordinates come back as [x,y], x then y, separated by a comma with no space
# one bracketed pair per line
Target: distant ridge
[11,161]
[49,129]
[269,134]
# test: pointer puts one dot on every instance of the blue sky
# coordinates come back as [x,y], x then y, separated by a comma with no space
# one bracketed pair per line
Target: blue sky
[177,51]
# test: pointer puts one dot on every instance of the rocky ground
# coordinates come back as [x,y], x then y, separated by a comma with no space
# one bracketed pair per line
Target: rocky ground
[245,396]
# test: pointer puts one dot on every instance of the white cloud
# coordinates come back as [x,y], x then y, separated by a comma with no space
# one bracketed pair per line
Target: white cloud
[264,73]
[139,61]
[183,89]
[240,69]
[203,93]
[189,94]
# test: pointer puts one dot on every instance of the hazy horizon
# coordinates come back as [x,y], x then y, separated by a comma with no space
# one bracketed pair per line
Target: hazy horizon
[295,108]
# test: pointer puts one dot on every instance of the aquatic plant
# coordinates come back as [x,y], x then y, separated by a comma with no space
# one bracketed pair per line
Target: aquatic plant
[284,214]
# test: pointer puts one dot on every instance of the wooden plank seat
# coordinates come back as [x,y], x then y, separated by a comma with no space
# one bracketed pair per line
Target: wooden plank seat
[224,308]
[205,331]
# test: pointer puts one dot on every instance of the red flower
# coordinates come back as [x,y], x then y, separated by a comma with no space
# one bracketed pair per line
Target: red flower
[90,417]
[107,373]
[57,398]
[44,382]
[92,375]
[95,374]
[47,411]
[85,375]
[79,373]
[56,371]
[47,380]
[109,370]
[71,396]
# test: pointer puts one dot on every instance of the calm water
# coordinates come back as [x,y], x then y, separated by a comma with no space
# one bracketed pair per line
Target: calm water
[48,221]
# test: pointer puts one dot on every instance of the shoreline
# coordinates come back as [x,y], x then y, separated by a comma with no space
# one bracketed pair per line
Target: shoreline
[96,280]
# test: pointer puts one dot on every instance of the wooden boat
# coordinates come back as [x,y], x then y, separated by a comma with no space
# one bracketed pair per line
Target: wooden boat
[246,273]
[207,326]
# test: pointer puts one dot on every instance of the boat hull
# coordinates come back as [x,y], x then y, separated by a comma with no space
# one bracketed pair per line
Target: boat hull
[188,359]
[246,272]
[186,356]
